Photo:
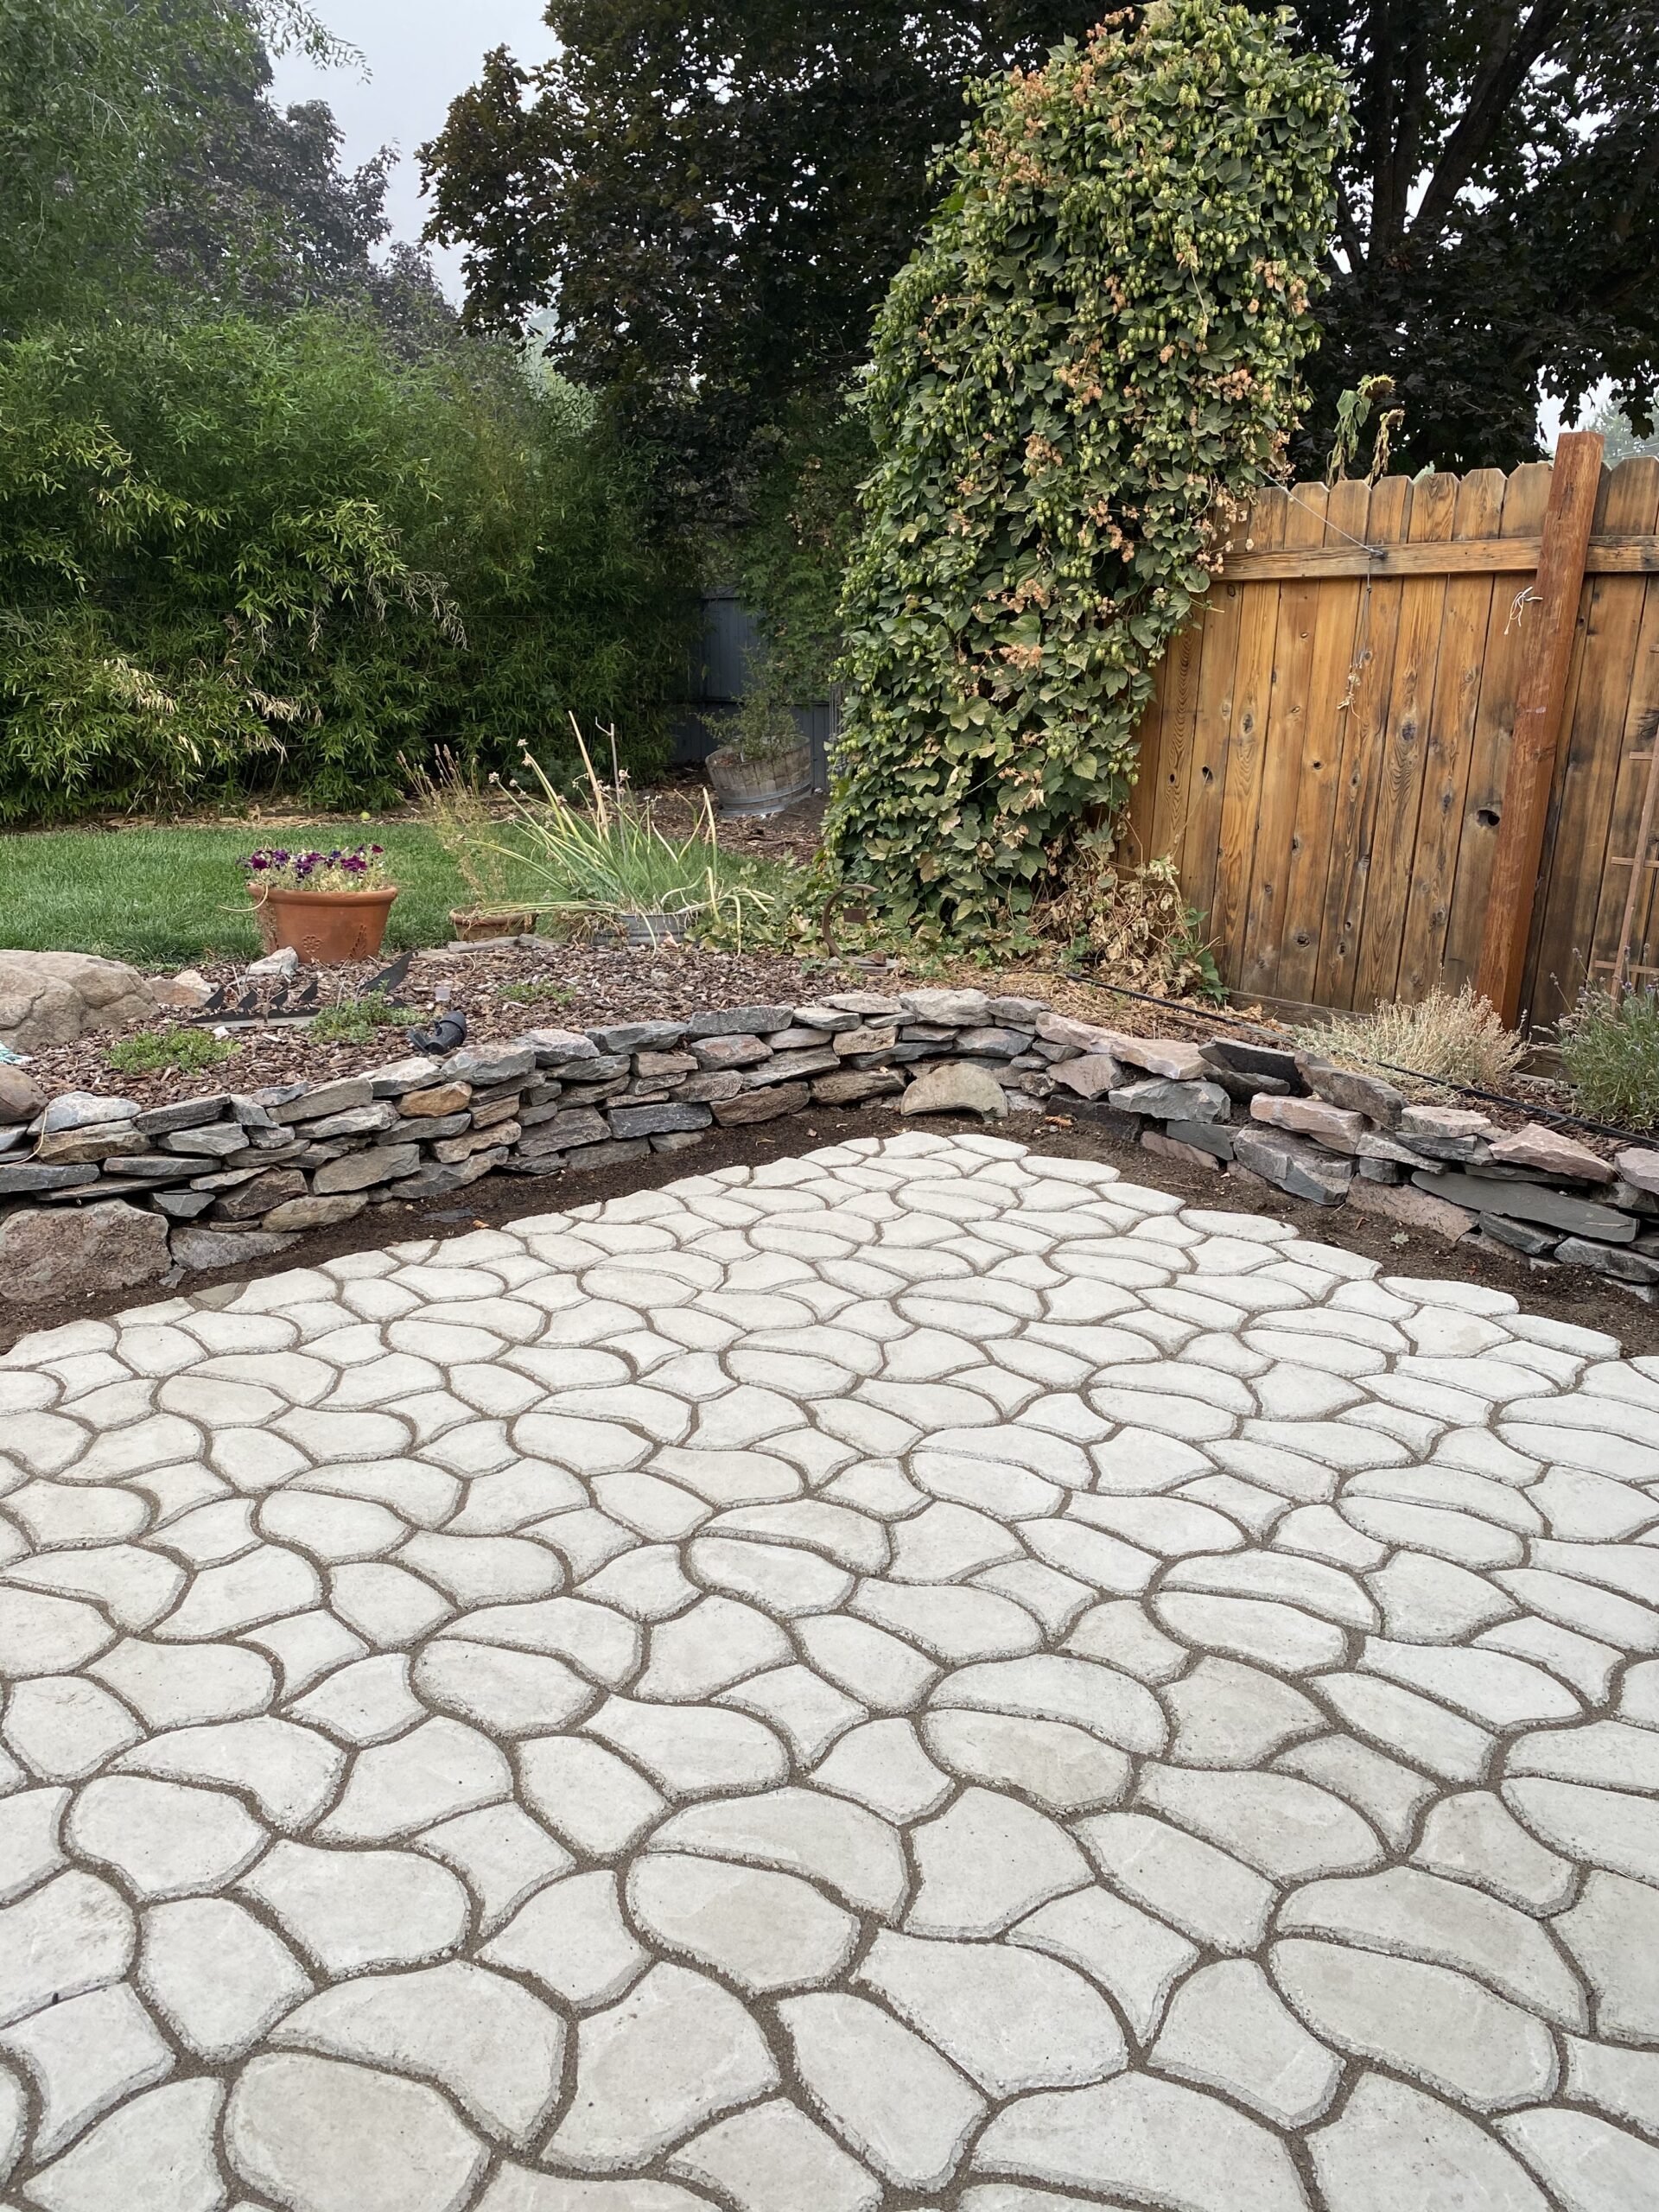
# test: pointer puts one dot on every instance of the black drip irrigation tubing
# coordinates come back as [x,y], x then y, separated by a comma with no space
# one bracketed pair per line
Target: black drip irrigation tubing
[1530,1107]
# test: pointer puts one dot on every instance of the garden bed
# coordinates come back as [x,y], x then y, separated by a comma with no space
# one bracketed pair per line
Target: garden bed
[534,983]
[106,1189]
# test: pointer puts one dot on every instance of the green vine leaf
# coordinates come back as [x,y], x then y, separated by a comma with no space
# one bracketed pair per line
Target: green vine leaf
[1090,359]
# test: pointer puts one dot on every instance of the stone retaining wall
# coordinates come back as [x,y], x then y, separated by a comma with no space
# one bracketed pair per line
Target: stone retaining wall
[96,1192]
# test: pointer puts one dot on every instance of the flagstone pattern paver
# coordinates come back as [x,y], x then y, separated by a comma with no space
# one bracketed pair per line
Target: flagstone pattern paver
[917,1675]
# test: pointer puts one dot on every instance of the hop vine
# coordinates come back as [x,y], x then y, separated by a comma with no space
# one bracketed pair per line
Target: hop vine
[1092,359]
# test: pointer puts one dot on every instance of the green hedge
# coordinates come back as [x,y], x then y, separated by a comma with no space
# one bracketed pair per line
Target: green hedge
[237,558]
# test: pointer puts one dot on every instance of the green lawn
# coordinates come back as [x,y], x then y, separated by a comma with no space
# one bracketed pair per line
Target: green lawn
[170,897]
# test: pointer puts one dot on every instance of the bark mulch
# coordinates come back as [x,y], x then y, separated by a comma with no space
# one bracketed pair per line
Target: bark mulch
[539,985]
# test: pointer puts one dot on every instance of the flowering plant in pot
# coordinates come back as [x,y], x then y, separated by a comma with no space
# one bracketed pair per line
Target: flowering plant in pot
[766,764]
[330,907]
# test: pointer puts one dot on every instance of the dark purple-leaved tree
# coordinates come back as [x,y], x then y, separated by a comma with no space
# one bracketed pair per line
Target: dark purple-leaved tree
[714,200]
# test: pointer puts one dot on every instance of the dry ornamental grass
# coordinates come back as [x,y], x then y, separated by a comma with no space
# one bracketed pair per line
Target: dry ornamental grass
[1441,1040]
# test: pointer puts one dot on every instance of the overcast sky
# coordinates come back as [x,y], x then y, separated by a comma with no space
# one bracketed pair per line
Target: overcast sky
[419,54]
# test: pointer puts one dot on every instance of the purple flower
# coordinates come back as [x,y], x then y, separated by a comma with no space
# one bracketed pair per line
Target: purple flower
[298,869]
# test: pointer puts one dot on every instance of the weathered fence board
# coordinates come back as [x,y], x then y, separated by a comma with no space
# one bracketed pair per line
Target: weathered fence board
[1525,497]
[1360,725]
[1346,511]
[1579,901]
[1448,749]
[1327,751]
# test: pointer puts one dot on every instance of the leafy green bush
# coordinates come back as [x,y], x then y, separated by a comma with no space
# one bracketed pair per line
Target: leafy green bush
[793,557]
[764,726]
[185,1050]
[1097,345]
[1610,1048]
[237,558]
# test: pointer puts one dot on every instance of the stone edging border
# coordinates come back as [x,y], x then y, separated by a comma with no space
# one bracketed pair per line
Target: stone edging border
[112,1196]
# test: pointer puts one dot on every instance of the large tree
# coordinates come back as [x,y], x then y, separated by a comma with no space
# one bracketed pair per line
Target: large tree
[257,210]
[143,160]
[714,200]
[1498,218]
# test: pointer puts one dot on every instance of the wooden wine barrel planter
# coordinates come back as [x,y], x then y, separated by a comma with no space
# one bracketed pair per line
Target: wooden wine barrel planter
[759,786]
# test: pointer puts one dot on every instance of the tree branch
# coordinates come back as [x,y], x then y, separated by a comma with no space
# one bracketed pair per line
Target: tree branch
[1397,33]
[1409,137]
[1502,74]
[1641,182]
[1380,119]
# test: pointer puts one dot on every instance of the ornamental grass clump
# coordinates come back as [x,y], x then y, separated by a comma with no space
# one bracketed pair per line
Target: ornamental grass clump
[460,815]
[1090,362]
[361,868]
[609,860]
[1424,1049]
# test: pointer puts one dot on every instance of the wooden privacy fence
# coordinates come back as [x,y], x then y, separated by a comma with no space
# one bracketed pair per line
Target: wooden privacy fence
[1331,755]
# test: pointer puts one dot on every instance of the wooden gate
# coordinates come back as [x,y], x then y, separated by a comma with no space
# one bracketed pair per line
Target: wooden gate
[1327,757]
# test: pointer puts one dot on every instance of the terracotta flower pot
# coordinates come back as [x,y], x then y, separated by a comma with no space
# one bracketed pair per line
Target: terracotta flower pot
[326,928]
[264,913]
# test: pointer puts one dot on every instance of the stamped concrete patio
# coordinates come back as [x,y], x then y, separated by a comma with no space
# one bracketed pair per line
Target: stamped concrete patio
[913,1675]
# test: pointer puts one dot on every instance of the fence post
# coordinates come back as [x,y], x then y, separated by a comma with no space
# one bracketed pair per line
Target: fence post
[1551,612]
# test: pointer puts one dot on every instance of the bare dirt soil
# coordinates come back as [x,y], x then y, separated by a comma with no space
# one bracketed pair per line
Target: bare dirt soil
[1568,1294]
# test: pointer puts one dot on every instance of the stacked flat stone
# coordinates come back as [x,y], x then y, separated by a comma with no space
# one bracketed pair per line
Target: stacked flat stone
[1330,1137]
[99,1192]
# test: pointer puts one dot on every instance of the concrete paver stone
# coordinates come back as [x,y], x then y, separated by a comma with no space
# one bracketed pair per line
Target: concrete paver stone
[915,1673]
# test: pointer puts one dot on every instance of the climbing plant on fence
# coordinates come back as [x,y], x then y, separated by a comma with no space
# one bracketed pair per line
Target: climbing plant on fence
[1094,349]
